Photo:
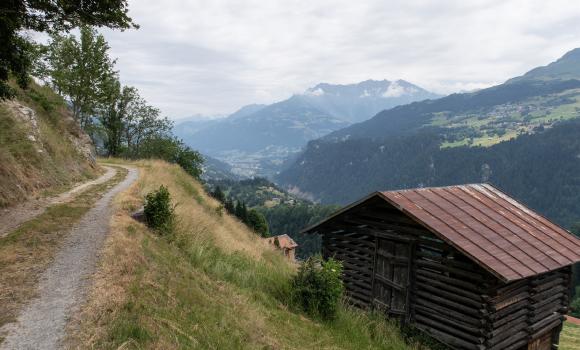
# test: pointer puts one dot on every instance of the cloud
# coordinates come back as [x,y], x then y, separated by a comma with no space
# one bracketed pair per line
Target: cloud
[397,90]
[212,57]
[315,92]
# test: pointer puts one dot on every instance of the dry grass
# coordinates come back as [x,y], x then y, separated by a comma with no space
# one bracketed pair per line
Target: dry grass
[211,285]
[26,252]
[25,172]
[197,211]
[570,337]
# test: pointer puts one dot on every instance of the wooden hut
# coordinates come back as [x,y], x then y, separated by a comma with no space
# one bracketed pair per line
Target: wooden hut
[467,264]
[285,244]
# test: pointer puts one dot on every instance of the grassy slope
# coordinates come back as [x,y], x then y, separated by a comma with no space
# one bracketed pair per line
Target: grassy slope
[212,285]
[23,170]
[570,337]
[546,110]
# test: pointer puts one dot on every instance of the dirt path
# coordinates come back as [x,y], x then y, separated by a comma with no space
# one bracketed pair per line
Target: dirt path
[63,286]
[11,218]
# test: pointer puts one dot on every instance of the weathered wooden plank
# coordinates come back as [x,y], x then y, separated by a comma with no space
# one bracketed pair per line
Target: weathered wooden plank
[449,339]
[450,296]
[451,330]
[450,288]
[470,318]
[469,310]
[453,321]
[449,280]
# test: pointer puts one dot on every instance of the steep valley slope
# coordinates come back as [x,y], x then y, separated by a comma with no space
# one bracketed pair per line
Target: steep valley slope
[522,136]
[42,148]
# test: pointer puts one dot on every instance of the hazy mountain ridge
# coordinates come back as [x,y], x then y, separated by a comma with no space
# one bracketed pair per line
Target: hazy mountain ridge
[424,144]
[256,139]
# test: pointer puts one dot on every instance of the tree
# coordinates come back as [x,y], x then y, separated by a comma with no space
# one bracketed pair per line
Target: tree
[239,211]
[82,71]
[218,194]
[258,222]
[229,205]
[172,150]
[575,229]
[49,16]
[111,115]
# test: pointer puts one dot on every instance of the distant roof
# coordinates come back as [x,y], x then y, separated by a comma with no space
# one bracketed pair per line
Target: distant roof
[499,233]
[284,240]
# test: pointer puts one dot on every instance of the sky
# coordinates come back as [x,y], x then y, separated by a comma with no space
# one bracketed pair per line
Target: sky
[209,58]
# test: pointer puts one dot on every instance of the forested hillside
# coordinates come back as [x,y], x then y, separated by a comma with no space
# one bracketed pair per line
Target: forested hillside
[542,170]
[522,136]
[284,213]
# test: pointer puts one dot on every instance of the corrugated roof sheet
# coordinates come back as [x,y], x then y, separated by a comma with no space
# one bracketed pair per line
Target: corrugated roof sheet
[499,233]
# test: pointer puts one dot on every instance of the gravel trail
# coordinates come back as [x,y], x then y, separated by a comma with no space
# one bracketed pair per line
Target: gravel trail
[63,286]
[11,218]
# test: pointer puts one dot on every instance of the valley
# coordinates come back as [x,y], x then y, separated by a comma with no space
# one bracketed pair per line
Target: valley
[258,140]
[326,212]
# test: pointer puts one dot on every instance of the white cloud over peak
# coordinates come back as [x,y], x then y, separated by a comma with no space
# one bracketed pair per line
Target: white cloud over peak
[211,57]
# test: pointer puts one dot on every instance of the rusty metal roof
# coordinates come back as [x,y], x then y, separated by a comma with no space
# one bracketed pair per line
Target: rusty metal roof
[499,233]
[284,241]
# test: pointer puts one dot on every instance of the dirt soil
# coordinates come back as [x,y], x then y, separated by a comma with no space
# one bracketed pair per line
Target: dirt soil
[63,286]
[11,218]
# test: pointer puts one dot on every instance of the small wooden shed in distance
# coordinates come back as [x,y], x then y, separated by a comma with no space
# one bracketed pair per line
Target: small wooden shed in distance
[467,264]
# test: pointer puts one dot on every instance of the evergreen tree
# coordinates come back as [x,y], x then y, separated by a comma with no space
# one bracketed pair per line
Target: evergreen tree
[218,194]
[575,229]
[258,223]
[239,212]
[229,205]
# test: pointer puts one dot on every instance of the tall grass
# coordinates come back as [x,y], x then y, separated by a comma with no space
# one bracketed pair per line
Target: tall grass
[212,284]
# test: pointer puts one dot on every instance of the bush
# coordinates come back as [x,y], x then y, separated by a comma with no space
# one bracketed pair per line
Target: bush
[317,288]
[159,214]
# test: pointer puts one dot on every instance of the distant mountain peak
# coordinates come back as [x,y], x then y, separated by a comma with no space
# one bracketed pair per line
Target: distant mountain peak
[366,89]
[573,54]
[566,67]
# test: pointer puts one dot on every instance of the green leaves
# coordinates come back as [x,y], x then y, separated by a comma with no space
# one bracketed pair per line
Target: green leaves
[81,70]
[48,16]
[159,213]
[318,287]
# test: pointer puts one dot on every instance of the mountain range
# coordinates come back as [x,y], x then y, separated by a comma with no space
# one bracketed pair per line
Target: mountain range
[523,135]
[257,139]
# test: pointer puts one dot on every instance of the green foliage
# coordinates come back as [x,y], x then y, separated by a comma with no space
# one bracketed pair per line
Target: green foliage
[218,194]
[173,151]
[159,212]
[318,287]
[290,219]
[541,170]
[575,304]
[18,16]
[284,212]
[241,211]
[257,222]
[80,69]
[575,229]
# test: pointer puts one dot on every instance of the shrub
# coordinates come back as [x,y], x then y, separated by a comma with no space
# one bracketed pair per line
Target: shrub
[317,288]
[159,213]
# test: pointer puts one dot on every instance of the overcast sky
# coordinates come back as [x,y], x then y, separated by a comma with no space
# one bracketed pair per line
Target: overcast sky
[212,57]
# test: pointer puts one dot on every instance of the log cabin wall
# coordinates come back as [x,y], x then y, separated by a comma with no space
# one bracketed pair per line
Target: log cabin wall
[449,300]
[528,314]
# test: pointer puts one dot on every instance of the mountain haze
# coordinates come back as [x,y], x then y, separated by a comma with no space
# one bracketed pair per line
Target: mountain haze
[522,135]
[256,139]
